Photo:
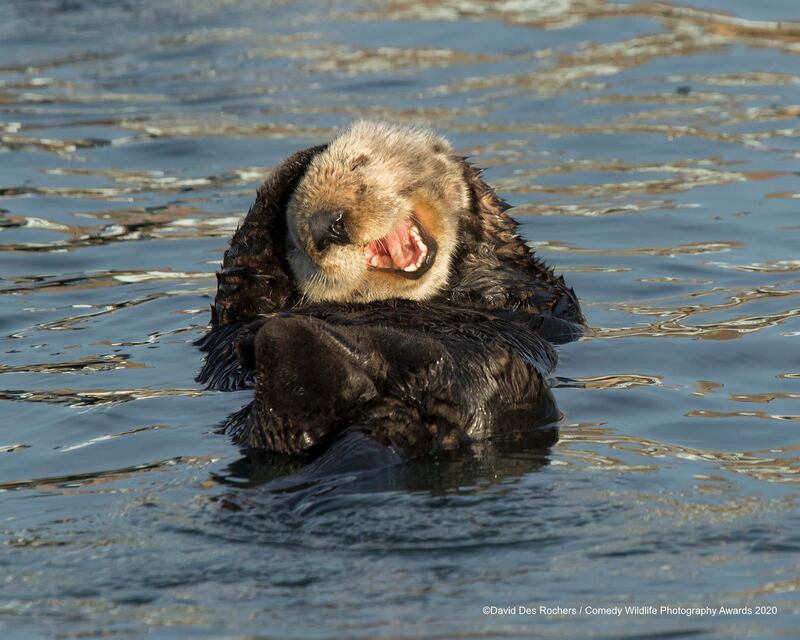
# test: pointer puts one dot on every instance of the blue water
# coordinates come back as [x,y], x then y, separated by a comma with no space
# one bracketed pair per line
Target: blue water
[652,154]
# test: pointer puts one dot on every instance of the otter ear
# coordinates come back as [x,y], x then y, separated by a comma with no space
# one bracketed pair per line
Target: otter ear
[255,277]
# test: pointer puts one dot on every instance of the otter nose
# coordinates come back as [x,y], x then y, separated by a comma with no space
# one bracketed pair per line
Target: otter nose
[328,227]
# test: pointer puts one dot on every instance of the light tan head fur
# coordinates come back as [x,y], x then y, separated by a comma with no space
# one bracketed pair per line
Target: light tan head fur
[376,175]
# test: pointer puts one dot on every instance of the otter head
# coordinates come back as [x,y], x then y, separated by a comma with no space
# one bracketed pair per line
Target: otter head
[376,216]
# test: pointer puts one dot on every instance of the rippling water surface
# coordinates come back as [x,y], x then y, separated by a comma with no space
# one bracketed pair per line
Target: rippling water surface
[652,153]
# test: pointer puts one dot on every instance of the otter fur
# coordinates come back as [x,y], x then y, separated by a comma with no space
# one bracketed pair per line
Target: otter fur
[417,377]
[382,185]
[378,286]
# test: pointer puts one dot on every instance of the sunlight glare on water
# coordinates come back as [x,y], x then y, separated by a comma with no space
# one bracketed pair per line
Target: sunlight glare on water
[651,153]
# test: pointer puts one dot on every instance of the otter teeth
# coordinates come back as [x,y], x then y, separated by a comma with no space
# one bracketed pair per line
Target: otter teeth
[422,246]
[423,249]
[403,248]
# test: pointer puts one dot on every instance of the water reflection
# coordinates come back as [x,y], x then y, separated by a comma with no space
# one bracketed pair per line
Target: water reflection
[779,464]
[492,462]
[650,150]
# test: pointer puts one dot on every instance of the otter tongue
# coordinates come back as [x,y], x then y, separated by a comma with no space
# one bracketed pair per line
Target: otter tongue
[401,246]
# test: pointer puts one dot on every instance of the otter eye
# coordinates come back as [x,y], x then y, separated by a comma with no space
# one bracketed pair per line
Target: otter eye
[328,227]
[339,231]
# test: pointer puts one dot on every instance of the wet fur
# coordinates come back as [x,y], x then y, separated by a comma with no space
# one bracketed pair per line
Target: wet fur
[416,377]
[466,360]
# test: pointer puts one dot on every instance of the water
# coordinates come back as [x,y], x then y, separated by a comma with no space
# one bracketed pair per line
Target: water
[652,153]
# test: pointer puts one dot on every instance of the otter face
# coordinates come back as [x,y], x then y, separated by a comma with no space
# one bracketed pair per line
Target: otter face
[376,216]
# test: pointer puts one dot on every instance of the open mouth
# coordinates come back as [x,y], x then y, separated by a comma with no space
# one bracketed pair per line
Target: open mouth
[407,250]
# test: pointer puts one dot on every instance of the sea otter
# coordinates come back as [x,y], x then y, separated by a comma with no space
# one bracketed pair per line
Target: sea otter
[378,287]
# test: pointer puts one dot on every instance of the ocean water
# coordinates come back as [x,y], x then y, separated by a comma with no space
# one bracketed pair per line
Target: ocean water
[652,152]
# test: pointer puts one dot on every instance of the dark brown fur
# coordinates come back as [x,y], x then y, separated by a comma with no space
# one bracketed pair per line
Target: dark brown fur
[415,376]
[255,277]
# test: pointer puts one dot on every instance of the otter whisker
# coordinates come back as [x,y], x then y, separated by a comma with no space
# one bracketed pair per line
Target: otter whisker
[315,280]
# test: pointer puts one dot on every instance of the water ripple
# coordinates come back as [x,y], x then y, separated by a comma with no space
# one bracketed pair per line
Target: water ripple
[650,150]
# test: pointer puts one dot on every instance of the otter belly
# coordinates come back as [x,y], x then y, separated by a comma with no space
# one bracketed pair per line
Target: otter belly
[415,378]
